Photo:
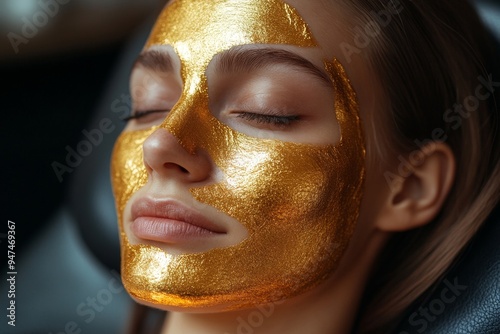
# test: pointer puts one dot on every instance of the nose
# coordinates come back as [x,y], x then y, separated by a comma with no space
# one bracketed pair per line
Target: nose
[165,157]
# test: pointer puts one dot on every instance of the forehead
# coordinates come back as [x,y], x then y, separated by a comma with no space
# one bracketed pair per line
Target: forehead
[200,29]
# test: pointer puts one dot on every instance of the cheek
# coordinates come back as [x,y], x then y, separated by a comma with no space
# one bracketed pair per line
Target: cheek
[273,183]
[128,173]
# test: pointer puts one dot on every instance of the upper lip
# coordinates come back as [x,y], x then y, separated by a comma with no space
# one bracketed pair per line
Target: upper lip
[172,210]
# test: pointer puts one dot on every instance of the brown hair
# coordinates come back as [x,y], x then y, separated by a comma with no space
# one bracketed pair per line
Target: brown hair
[432,59]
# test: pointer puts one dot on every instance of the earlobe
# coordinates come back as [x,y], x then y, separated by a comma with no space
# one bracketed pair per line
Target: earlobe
[415,199]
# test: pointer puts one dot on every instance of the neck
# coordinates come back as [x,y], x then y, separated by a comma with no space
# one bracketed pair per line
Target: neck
[323,310]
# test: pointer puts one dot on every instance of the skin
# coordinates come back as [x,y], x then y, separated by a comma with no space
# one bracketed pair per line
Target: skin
[414,201]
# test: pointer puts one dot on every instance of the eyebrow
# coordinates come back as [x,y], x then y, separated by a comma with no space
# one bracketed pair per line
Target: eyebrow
[155,60]
[240,59]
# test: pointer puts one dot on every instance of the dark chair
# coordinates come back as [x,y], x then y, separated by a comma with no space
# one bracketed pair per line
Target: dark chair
[467,299]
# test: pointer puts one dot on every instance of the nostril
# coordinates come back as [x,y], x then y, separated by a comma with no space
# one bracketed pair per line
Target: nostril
[169,165]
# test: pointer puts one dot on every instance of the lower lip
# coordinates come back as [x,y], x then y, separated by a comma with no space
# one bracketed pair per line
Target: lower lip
[167,230]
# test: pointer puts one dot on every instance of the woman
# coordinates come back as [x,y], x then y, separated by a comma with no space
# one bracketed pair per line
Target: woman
[282,156]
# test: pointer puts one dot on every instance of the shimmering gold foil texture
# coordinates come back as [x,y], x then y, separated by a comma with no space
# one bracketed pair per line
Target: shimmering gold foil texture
[299,202]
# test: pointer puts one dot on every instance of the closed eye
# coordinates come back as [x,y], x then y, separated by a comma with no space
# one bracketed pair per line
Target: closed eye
[274,120]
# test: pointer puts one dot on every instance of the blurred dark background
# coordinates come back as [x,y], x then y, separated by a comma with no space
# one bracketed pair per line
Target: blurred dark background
[50,87]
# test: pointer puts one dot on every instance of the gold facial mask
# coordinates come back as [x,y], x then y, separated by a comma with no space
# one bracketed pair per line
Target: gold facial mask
[299,202]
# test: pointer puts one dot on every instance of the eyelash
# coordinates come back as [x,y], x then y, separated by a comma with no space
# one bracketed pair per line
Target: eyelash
[280,121]
[140,114]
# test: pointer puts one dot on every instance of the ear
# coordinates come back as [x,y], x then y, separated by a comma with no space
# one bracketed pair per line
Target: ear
[420,188]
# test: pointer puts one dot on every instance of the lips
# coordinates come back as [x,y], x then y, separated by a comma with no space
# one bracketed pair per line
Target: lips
[169,221]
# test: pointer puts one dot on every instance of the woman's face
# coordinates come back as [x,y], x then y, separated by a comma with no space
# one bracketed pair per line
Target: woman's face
[239,180]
